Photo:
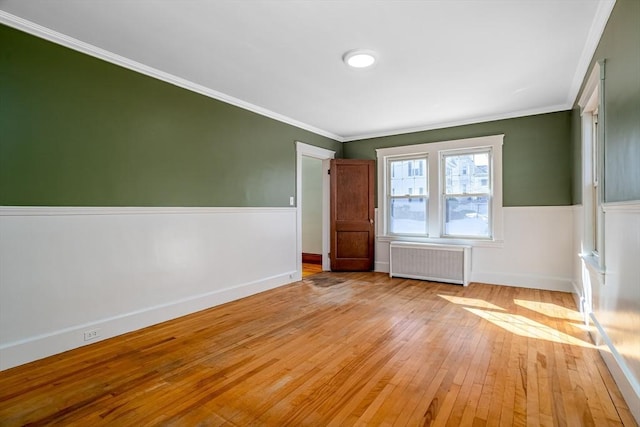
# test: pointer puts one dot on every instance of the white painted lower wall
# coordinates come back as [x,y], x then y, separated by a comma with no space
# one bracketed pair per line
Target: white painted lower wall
[583,301]
[67,270]
[613,295]
[64,271]
[537,250]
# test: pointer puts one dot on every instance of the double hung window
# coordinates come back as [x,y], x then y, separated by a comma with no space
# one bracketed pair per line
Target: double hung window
[592,112]
[444,190]
[596,198]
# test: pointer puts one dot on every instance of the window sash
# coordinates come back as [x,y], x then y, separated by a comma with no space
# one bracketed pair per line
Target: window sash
[414,193]
[595,192]
[447,194]
[414,218]
[489,216]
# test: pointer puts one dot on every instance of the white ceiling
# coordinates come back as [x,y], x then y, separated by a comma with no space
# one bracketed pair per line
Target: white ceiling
[441,63]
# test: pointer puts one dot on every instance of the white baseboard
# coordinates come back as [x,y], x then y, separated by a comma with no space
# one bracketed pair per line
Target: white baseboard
[537,250]
[381,267]
[523,281]
[34,348]
[118,269]
[579,299]
[621,373]
[508,279]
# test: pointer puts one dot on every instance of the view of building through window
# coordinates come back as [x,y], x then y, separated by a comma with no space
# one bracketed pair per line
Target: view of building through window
[442,191]
[408,198]
[467,191]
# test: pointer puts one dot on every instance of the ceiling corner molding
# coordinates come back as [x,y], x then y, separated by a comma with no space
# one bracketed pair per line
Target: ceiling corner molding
[484,119]
[605,7]
[91,50]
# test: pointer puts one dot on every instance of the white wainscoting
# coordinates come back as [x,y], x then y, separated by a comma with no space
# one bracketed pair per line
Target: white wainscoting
[67,270]
[616,299]
[582,295]
[537,250]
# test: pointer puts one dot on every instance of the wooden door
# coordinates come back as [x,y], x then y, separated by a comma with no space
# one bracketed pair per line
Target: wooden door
[352,211]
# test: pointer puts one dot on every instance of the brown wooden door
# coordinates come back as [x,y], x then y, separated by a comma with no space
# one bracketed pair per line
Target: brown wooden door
[352,211]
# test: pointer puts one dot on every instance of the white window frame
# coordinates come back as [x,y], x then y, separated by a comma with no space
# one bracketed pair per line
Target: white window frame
[443,191]
[389,196]
[593,165]
[435,212]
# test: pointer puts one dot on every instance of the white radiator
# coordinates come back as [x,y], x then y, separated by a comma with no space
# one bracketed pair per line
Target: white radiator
[440,263]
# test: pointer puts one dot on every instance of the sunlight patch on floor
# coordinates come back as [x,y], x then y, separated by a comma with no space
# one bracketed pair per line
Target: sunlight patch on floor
[525,327]
[550,309]
[582,326]
[473,302]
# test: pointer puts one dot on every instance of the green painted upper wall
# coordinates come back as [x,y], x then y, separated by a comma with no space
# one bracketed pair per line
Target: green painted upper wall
[620,47]
[78,131]
[576,153]
[536,154]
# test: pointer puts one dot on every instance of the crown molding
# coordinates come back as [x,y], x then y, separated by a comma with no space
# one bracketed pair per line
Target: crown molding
[484,119]
[605,7]
[91,50]
[598,25]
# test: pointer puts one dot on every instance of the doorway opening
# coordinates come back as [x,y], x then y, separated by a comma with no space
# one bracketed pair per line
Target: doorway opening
[308,155]
[311,205]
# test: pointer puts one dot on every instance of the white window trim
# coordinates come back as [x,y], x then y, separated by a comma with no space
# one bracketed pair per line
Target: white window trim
[443,194]
[388,197]
[433,151]
[590,102]
[325,156]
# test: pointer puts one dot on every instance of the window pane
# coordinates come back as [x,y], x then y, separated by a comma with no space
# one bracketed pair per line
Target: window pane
[467,216]
[408,177]
[467,173]
[408,215]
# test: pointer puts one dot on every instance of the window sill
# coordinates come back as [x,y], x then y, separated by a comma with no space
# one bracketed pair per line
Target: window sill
[476,243]
[593,263]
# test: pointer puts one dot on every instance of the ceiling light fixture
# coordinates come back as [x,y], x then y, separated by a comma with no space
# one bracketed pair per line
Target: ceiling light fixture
[360,58]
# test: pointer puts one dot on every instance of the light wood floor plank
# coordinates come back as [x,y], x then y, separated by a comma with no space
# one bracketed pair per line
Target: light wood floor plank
[335,349]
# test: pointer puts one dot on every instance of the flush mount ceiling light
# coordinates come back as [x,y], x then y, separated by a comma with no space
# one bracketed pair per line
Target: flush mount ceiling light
[360,58]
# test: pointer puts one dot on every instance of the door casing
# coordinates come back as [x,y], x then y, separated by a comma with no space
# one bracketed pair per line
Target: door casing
[325,155]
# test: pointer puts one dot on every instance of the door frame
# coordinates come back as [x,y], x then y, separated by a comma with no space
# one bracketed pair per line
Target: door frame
[325,155]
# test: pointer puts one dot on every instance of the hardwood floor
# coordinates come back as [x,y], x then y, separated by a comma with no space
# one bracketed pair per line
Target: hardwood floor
[308,269]
[335,349]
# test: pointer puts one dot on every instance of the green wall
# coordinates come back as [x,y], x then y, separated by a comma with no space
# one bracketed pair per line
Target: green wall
[536,154]
[576,153]
[78,131]
[620,47]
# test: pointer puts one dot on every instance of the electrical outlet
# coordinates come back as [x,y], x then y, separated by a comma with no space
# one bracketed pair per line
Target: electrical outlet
[92,334]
